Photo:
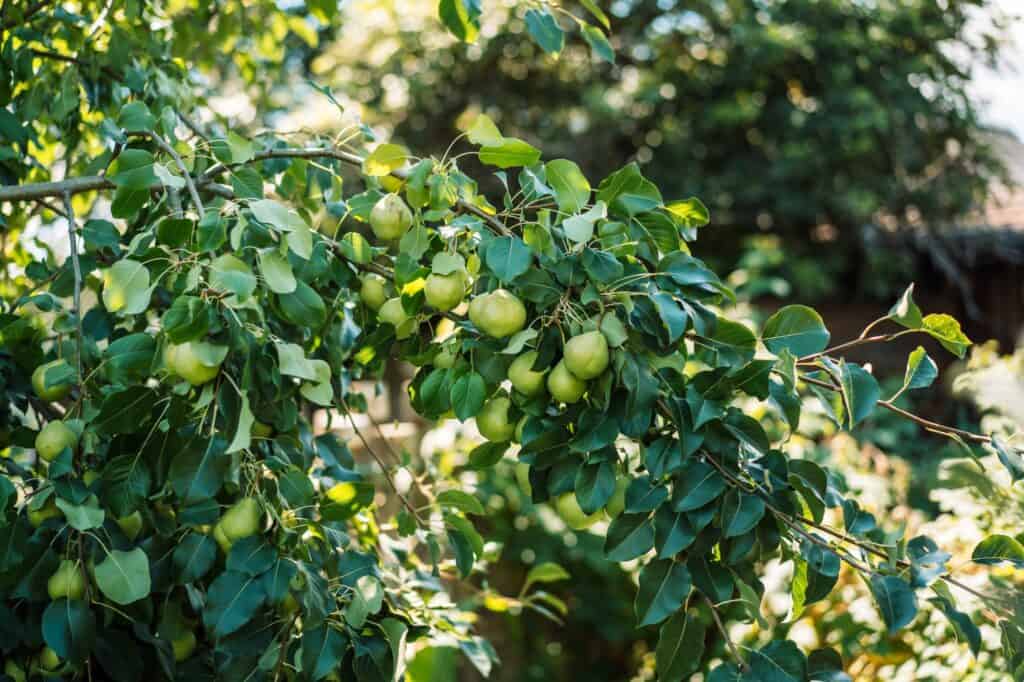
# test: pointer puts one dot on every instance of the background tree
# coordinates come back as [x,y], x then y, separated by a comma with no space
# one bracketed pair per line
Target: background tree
[806,118]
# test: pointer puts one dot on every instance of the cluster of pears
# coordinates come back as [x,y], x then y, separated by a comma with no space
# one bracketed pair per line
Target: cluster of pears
[443,290]
[498,314]
[584,357]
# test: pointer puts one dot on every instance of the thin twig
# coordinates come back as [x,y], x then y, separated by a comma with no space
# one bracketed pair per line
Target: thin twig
[77,293]
[926,423]
[189,184]
[725,634]
[191,125]
[279,668]
[380,462]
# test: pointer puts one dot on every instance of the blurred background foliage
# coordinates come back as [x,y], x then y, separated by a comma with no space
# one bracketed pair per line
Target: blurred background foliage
[805,119]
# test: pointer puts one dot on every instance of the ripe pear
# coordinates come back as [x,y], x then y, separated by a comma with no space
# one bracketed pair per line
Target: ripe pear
[52,393]
[498,314]
[374,290]
[493,421]
[569,509]
[390,217]
[394,314]
[564,386]
[522,376]
[53,438]
[445,292]
[67,581]
[586,355]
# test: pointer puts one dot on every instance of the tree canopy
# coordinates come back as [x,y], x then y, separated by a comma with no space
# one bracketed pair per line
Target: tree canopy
[170,509]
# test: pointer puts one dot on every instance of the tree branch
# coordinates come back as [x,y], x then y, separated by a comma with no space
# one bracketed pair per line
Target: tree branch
[29,13]
[205,181]
[77,293]
[353,160]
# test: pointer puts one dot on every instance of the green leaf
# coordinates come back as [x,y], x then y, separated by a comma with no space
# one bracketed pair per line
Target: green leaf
[303,307]
[547,572]
[734,343]
[69,628]
[511,152]
[598,42]
[796,328]
[486,455]
[580,228]
[197,472]
[242,150]
[689,213]
[277,272]
[292,361]
[779,661]
[860,390]
[921,370]
[998,548]
[572,191]
[611,326]
[629,536]
[544,29]
[484,132]
[356,248]
[740,513]
[946,330]
[672,531]
[188,319]
[674,318]
[1010,457]
[826,665]
[367,598]
[231,274]
[598,13]
[82,517]
[460,18]
[167,178]
[664,586]
[130,358]
[905,312]
[124,411]
[243,431]
[193,557]
[896,601]
[595,484]
[628,192]
[699,484]
[680,647]
[124,576]
[323,649]
[231,601]
[134,170]
[508,257]
[468,395]
[385,160]
[277,215]
[961,622]
[126,287]
[461,500]
[603,268]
